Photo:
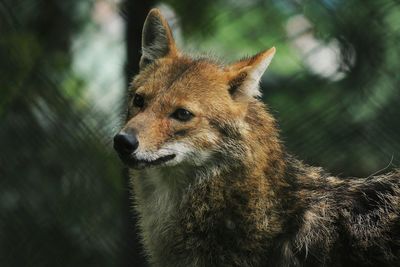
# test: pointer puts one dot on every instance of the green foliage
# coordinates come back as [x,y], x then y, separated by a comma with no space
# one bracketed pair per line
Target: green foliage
[60,191]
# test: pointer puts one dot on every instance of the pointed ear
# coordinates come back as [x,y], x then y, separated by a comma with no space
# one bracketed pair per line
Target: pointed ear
[245,74]
[157,39]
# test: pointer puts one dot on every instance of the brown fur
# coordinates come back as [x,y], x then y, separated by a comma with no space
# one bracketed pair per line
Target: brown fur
[237,198]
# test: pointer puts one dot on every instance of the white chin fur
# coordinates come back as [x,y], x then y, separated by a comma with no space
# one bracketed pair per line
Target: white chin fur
[182,151]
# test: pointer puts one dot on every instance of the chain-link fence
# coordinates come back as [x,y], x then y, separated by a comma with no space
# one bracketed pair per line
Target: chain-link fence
[64,201]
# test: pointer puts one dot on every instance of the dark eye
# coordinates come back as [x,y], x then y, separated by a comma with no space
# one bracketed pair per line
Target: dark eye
[182,114]
[138,101]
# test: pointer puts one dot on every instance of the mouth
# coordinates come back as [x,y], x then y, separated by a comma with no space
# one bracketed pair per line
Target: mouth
[135,163]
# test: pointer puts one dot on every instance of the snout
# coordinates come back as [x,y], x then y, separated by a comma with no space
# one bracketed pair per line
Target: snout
[125,143]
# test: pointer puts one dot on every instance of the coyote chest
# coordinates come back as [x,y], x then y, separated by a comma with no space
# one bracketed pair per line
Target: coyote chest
[190,226]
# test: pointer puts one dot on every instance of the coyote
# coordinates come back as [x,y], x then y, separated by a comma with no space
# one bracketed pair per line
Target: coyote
[214,186]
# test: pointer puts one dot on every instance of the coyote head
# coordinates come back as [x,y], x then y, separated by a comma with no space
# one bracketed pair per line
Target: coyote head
[185,109]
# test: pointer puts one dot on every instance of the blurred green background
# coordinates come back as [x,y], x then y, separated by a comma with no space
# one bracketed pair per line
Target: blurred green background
[64,198]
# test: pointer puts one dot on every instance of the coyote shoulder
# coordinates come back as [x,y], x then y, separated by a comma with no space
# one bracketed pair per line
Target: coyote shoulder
[214,185]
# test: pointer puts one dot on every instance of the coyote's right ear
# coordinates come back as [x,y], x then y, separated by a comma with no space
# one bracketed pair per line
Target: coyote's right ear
[157,39]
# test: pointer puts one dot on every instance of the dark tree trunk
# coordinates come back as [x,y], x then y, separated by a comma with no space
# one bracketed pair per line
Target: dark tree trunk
[134,13]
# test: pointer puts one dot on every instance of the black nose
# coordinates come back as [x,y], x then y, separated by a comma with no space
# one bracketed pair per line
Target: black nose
[125,143]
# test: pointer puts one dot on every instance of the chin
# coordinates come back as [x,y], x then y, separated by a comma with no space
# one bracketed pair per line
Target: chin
[142,163]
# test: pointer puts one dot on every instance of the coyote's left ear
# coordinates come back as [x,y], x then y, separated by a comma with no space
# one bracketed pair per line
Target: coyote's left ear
[157,39]
[245,74]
